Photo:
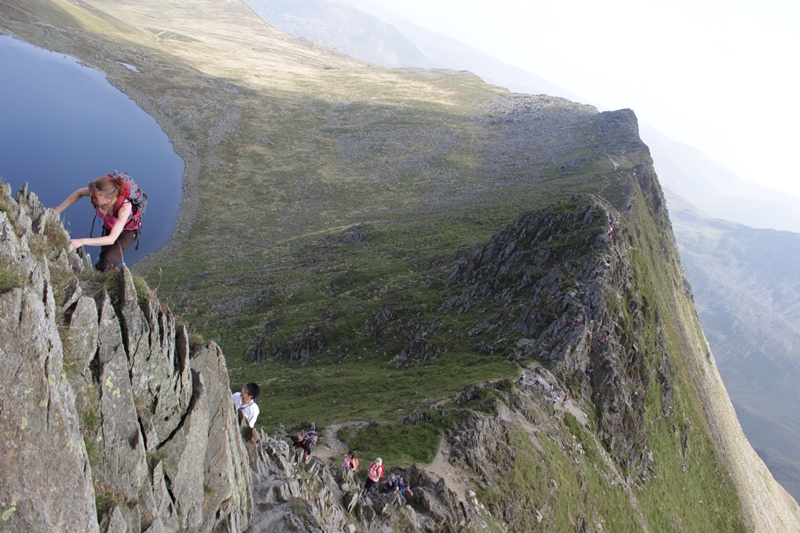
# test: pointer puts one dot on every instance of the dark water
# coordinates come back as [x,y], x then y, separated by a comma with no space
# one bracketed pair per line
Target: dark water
[63,124]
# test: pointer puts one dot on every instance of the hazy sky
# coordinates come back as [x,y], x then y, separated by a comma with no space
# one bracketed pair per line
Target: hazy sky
[720,75]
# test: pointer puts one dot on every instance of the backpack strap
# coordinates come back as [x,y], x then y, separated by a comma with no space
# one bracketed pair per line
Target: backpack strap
[135,217]
[121,200]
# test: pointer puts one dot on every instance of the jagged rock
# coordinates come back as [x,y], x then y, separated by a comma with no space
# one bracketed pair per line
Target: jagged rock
[115,522]
[46,475]
[130,432]
[158,354]
[226,478]
[121,462]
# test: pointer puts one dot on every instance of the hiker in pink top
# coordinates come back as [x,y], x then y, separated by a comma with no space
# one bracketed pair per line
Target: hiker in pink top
[374,474]
[110,196]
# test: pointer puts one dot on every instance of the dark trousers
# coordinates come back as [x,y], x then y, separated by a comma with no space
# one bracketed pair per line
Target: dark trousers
[111,255]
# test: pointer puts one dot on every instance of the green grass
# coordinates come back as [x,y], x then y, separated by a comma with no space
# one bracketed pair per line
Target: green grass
[10,278]
[691,483]
[360,387]
[588,442]
[565,489]
[397,444]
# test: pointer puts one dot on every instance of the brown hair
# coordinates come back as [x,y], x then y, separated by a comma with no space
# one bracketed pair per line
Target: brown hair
[107,186]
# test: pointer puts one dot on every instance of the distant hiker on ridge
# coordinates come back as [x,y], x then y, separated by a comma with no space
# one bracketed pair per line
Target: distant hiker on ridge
[119,203]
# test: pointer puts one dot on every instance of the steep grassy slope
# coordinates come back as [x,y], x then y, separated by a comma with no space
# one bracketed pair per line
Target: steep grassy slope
[746,293]
[347,236]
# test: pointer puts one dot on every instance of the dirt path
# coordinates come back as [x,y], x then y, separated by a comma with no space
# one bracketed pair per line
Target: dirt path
[333,447]
[453,480]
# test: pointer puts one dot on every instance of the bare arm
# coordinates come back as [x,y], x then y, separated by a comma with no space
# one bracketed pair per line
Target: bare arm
[111,238]
[72,198]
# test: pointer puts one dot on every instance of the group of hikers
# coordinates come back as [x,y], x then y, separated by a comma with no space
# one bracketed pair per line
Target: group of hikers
[393,484]
[247,410]
[556,396]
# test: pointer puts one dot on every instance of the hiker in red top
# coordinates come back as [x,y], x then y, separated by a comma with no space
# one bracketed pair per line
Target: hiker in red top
[110,196]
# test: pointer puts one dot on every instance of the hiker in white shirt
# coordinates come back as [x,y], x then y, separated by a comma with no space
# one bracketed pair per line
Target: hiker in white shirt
[245,403]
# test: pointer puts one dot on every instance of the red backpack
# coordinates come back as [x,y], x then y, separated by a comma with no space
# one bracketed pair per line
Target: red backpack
[131,191]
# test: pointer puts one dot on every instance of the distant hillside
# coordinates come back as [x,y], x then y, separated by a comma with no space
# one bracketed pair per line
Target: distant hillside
[374,35]
[394,43]
[717,190]
[344,28]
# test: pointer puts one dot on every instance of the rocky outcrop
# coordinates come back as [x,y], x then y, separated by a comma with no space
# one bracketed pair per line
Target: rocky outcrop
[292,496]
[108,420]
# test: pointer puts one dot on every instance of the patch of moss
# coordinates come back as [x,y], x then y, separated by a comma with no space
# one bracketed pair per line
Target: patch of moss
[10,278]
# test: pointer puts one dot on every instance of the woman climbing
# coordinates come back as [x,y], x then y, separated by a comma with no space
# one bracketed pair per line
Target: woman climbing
[111,198]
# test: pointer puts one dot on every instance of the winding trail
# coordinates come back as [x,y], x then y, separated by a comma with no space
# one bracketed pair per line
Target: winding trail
[333,447]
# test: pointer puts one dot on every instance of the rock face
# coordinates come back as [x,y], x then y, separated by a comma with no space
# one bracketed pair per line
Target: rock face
[107,419]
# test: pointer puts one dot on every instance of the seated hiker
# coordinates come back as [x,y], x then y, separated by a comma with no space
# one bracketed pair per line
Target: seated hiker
[403,487]
[245,404]
[374,474]
[113,203]
[311,435]
[390,485]
[302,442]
